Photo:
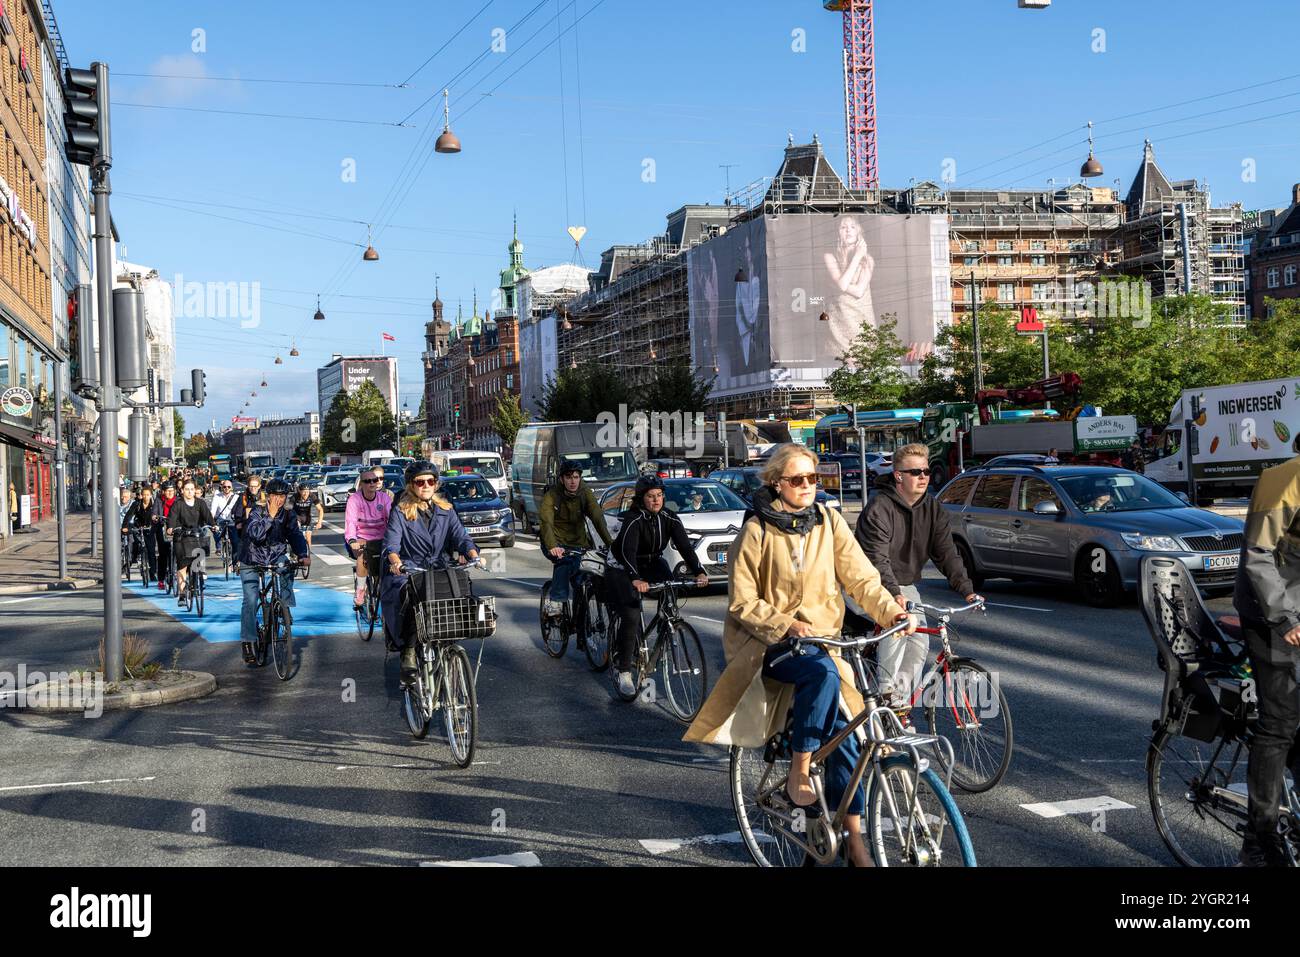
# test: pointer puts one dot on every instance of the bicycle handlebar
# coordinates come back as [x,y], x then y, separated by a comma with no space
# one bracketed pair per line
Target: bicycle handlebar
[655,587]
[860,642]
[405,569]
[951,611]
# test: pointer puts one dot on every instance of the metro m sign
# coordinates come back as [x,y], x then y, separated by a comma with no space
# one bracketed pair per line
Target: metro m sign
[1029,321]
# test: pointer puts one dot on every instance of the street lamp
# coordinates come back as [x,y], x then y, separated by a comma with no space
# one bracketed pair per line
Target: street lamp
[447,142]
[370,255]
[1090,167]
[319,316]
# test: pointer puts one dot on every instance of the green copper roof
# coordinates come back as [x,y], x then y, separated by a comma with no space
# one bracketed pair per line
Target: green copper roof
[516,270]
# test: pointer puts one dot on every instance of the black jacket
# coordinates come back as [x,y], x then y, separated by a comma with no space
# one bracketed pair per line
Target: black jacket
[643,537]
[899,539]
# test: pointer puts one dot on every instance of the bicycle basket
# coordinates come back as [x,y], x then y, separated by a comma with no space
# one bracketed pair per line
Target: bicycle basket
[593,564]
[455,619]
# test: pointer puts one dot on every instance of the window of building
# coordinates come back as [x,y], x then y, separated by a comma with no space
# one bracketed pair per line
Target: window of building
[970,246]
[1288,275]
[1038,260]
[1039,291]
[1004,245]
[970,260]
[510,380]
[1272,277]
[1006,292]
[1004,260]
[1037,244]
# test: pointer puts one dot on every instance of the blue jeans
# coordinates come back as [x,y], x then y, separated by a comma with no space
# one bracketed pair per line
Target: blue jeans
[248,614]
[561,574]
[817,718]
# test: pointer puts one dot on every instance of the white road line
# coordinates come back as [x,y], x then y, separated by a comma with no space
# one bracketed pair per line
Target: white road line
[532,584]
[716,621]
[1113,760]
[527,546]
[14,601]
[73,784]
[329,558]
[521,859]
[1081,806]
[999,604]
[657,847]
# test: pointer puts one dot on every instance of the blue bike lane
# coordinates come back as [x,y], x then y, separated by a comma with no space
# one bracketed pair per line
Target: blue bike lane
[320,610]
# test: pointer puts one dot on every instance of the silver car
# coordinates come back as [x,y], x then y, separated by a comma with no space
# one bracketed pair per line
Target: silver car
[711,512]
[1087,525]
[336,488]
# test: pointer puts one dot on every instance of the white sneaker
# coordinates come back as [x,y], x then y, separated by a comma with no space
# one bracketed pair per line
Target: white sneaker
[553,609]
[626,685]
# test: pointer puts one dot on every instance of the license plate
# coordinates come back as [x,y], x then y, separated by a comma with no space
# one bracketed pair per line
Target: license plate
[721,558]
[1219,562]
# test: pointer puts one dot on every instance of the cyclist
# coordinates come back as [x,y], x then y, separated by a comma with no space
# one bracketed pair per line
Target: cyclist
[636,559]
[251,496]
[140,516]
[899,530]
[124,505]
[305,502]
[185,523]
[365,521]
[788,566]
[162,508]
[268,529]
[562,516]
[223,509]
[423,530]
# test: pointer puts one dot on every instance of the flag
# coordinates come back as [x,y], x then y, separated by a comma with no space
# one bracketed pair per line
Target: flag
[386,336]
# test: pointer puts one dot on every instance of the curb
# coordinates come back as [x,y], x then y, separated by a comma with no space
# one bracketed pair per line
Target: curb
[65,584]
[200,684]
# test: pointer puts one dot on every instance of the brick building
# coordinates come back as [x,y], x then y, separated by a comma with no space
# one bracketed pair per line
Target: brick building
[1273,256]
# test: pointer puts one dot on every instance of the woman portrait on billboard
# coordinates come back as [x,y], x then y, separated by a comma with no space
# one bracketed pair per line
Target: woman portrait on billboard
[751,353]
[850,267]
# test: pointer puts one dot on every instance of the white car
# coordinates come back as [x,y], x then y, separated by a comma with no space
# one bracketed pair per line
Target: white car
[711,512]
[336,488]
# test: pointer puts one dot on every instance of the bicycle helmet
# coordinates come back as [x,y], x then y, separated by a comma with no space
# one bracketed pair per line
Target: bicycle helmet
[422,467]
[646,483]
[277,487]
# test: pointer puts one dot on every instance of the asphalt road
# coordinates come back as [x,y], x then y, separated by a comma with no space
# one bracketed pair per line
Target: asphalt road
[322,769]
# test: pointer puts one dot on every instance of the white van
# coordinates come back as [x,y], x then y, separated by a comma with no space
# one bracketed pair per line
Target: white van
[486,464]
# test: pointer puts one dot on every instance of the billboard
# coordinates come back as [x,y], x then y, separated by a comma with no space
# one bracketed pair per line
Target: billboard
[348,374]
[757,293]
[538,360]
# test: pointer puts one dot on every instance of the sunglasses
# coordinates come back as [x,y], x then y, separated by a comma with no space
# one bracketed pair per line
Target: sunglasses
[371,481]
[915,473]
[800,481]
[424,482]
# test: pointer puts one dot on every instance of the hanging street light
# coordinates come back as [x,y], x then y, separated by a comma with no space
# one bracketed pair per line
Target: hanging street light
[293,350]
[263,383]
[447,142]
[369,255]
[1090,167]
[279,361]
[320,316]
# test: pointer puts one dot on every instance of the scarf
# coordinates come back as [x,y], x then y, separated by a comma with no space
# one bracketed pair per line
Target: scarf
[799,522]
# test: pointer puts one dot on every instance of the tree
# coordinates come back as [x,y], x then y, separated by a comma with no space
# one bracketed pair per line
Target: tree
[308,451]
[358,421]
[178,432]
[196,449]
[507,418]
[581,394]
[677,388]
[870,373]
[331,430]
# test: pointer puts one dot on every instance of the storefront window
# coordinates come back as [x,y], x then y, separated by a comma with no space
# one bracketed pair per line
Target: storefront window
[20,376]
[4,363]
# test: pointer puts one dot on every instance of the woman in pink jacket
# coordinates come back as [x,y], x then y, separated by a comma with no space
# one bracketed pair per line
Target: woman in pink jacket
[366,520]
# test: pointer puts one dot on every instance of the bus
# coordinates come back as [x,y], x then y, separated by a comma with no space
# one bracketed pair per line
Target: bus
[219,466]
[250,462]
[884,431]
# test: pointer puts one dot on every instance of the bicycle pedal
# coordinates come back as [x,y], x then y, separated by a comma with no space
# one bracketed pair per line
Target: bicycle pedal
[249,657]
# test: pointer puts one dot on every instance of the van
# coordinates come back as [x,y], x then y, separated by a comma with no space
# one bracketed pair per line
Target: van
[486,464]
[539,449]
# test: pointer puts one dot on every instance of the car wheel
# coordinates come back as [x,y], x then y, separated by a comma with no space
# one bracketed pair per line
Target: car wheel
[1097,576]
[968,559]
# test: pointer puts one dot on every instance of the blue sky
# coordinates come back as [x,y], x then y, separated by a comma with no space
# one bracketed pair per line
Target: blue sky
[1005,93]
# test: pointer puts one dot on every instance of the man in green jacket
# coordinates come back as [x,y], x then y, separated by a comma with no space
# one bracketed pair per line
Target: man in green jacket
[564,511]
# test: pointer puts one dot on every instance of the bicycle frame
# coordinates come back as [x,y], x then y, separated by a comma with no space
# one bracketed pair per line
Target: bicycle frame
[940,664]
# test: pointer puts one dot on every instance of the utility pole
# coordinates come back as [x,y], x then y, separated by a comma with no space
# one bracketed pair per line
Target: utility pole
[975,331]
[60,487]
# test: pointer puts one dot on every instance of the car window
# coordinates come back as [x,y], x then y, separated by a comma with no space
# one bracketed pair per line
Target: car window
[994,491]
[468,490]
[956,492]
[617,500]
[1035,490]
[712,497]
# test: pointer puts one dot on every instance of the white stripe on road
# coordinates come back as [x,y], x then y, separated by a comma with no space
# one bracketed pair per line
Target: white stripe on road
[73,784]
[532,584]
[657,847]
[1113,760]
[999,604]
[716,621]
[329,558]
[1081,806]
[521,859]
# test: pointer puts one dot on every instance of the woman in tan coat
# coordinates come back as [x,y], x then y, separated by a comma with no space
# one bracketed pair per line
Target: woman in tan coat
[787,569]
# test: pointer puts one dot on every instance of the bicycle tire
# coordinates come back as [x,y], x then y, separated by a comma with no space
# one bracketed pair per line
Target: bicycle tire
[684,672]
[555,637]
[418,714]
[365,612]
[767,845]
[1199,829]
[954,844]
[198,593]
[982,752]
[459,705]
[282,643]
[144,570]
[595,622]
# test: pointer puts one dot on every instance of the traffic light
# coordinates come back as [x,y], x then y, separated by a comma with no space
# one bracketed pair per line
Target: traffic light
[83,361]
[86,117]
[455,408]
[198,381]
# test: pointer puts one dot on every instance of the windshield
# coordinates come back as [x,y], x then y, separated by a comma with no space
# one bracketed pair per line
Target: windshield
[687,497]
[604,466]
[468,490]
[489,466]
[1120,492]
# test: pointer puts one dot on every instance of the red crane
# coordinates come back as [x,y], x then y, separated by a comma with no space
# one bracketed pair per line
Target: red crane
[859,91]
[1067,385]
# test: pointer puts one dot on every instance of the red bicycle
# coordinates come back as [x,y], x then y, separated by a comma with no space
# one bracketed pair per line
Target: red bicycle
[963,702]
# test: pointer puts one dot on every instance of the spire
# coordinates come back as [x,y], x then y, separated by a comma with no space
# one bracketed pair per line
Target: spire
[474,314]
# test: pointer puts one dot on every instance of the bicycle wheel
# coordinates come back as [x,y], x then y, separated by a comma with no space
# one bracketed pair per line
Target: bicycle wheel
[416,699]
[365,612]
[928,830]
[966,706]
[684,671]
[765,828]
[595,624]
[198,578]
[1197,791]
[554,636]
[282,642]
[144,569]
[459,704]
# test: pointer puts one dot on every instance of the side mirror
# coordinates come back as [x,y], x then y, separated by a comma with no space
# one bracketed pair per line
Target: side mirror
[1183,496]
[1047,508]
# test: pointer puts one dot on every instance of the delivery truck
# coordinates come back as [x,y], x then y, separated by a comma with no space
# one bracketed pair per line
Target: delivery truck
[1237,431]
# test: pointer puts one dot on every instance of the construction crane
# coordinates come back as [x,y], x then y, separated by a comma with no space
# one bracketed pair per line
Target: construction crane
[859,91]
[1067,385]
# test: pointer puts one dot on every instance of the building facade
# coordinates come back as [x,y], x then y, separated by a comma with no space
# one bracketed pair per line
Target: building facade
[280,436]
[348,372]
[1273,256]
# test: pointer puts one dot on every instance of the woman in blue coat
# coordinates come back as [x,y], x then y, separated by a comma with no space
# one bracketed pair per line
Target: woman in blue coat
[424,531]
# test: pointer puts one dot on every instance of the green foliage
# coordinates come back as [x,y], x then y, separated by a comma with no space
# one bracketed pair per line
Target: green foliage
[196,449]
[178,432]
[870,374]
[372,425]
[677,388]
[581,394]
[308,451]
[507,418]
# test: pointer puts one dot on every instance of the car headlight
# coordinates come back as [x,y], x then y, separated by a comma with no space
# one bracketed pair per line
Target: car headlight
[1150,543]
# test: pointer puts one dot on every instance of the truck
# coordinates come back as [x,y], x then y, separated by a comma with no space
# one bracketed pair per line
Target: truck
[377,456]
[1237,431]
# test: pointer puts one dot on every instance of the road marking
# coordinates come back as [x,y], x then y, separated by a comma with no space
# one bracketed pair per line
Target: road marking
[1113,760]
[73,784]
[329,558]
[521,859]
[657,847]
[1081,806]
[527,546]
[716,621]
[532,584]
[999,604]
[14,601]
